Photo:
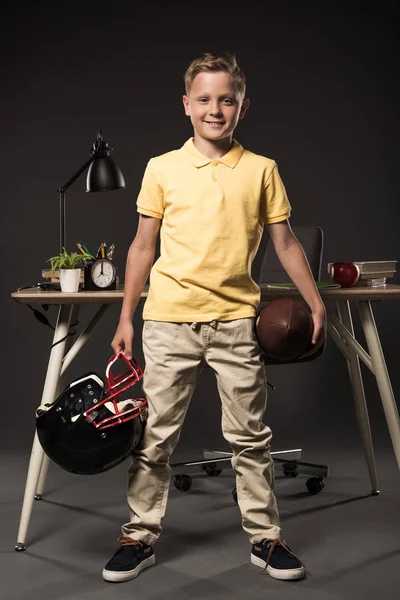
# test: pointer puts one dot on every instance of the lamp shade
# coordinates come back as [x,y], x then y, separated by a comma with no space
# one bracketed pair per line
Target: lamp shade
[104,175]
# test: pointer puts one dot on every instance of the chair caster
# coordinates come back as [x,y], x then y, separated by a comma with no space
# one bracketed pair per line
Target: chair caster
[211,469]
[315,485]
[20,547]
[234,495]
[183,483]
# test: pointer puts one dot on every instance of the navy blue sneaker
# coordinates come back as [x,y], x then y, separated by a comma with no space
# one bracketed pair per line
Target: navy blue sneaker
[277,558]
[131,557]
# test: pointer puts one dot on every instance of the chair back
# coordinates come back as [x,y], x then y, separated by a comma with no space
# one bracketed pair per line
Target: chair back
[311,238]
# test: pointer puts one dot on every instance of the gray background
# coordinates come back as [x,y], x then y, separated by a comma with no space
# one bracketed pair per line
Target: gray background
[323,84]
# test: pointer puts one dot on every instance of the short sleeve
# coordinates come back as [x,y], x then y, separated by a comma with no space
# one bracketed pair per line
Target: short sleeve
[275,205]
[150,200]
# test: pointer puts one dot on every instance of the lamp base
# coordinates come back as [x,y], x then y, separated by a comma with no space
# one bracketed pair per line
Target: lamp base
[48,285]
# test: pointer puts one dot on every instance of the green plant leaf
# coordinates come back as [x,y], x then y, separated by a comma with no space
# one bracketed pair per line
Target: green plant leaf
[65,260]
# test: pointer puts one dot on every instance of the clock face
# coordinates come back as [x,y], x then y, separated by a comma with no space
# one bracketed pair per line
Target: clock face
[103,273]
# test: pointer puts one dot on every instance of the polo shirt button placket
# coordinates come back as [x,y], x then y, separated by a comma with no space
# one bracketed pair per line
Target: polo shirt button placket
[214,164]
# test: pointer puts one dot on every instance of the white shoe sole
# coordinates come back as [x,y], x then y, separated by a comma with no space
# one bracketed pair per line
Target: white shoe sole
[120,576]
[285,574]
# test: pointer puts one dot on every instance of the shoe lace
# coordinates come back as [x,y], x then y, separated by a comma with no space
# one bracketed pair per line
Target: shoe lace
[272,544]
[127,541]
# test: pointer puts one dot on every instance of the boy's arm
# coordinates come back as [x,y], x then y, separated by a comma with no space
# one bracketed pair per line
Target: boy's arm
[138,266]
[294,261]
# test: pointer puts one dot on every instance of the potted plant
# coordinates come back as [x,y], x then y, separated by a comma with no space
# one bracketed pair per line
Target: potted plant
[69,268]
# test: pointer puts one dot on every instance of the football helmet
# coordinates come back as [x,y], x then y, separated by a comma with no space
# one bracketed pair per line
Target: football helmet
[90,428]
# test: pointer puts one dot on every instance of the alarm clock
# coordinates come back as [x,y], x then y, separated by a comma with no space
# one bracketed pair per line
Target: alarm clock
[100,274]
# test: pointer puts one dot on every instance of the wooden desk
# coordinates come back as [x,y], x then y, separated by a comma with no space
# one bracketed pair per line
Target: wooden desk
[340,328]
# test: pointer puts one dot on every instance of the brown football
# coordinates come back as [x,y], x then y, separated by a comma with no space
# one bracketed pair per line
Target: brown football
[284,329]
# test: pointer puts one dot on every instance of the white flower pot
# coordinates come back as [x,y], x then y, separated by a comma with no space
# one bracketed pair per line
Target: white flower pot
[69,280]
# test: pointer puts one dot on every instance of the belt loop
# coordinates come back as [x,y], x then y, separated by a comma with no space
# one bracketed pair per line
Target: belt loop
[213,324]
[194,325]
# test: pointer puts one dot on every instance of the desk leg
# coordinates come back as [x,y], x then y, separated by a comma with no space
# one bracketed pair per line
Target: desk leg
[49,392]
[360,404]
[381,374]
[60,387]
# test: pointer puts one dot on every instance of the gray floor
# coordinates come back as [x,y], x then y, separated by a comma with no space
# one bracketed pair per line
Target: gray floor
[349,540]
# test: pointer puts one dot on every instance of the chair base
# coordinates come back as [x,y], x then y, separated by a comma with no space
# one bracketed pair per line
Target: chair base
[288,461]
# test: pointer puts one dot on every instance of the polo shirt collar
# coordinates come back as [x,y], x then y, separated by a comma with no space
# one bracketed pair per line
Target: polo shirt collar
[230,159]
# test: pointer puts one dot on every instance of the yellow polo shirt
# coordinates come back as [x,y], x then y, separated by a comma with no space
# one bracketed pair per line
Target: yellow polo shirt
[213,214]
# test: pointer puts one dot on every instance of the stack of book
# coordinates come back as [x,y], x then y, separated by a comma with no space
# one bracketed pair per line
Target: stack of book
[374,272]
[54,277]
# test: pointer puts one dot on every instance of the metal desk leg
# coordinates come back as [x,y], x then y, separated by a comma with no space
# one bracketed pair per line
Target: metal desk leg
[360,404]
[381,374]
[58,365]
[49,390]
[60,387]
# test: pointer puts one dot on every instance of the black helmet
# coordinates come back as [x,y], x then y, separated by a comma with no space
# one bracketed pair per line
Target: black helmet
[90,429]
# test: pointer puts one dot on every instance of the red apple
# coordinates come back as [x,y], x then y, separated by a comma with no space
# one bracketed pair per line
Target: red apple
[344,273]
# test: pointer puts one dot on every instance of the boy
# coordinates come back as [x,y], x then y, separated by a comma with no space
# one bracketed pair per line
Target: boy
[210,201]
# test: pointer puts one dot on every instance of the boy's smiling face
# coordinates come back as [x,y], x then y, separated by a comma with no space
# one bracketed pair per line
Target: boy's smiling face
[214,105]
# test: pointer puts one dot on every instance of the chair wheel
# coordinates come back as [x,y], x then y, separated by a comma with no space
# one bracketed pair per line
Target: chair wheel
[315,485]
[234,495]
[183,483]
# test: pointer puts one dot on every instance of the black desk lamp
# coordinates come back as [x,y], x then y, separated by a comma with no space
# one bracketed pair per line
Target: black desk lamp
[103,175]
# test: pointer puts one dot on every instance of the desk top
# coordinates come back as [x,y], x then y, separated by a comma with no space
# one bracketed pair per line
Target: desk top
[36,296]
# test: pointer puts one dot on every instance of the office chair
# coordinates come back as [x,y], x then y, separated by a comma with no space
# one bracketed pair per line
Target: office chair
[311,239]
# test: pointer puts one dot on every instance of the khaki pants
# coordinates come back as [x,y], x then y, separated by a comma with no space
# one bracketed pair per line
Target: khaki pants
[174,354]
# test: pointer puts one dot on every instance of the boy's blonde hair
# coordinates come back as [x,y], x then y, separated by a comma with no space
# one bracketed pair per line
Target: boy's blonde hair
[216,62]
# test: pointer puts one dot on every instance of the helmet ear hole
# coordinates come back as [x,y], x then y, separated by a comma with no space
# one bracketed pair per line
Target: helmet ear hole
[90,429]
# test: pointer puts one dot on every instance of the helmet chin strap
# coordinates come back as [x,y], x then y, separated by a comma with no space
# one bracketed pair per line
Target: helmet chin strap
[123,405]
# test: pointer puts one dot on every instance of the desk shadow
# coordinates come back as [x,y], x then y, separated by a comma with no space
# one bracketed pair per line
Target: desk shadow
[80,509]
[54,526]
[351,569]
[316,509]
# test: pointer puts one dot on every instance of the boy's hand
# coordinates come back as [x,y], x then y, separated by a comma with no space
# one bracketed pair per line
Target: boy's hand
[319,320]
[122,341]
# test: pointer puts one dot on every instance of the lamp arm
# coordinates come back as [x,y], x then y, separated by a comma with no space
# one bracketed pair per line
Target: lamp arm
[66,185]
[62,190]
